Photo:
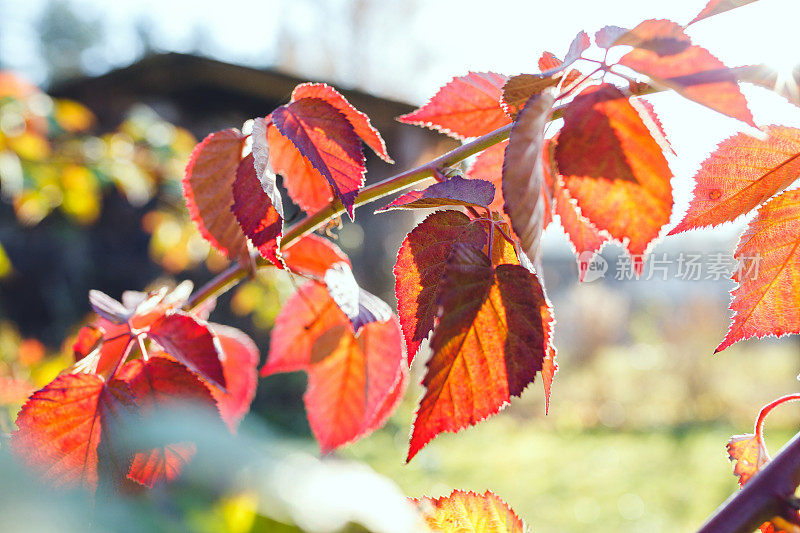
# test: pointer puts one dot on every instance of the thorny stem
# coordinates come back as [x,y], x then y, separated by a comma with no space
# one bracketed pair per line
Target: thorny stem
[226,279]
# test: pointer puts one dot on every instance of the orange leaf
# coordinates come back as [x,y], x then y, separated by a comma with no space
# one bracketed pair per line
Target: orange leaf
[523,174]
[742,173]
[467,512]
[749,455]
[359,120]
[766,302]
[354,381]
[324,137]
[613,168]
[420,267]
[694,73]
[488,166]
[313,256]
[207,187]
[62,426]
[490,342]
[468,106]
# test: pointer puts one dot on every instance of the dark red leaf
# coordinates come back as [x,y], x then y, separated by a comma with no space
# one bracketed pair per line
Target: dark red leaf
[306,186]
[490,342]
[359,120]
[468,106]
[523,174]
[420,266]
[255,212]
[192,344]
[207,187]
[453,191]
[328,141]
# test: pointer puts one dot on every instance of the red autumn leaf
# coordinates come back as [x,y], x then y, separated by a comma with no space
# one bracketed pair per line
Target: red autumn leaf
[742,173]
[768,296]
[313,256]
[382,413]
[360,306]
[239,362]
[255,211]
[715,7]
[468,106]
[467,512]
[352,380]
[549,61]
[663,37]
[303,318]
[583,235]
[160,385]
[749,454]
[648,115]
[351,383]
[453,191]
[359,120]
[62,428]
[490,342]
[191,343]
[207,187]
[695,74]
[613,168]
[523,174]
[325,137]
[88,340]
[305,184]
[420,266]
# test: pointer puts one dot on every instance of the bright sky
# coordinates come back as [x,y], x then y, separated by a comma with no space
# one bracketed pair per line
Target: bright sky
[408,53]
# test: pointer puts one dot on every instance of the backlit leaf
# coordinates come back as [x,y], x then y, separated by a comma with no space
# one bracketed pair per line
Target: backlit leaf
[715,7]
[519,89]
[255,211]
[207,187]
[306,315]
[239,364]
[160,385]
[768,296]
[192,344]
[359,120]
[468,106]
[606,36]
[748,454]
[742,173]
[468,512]
[313,256]
[663,37]
[420,266]
[453,191]
[490,342]
[488,166]
[613,168]
[353,379]
[695,74]
[523,176]
[325,137]
[62,426]
[306,186]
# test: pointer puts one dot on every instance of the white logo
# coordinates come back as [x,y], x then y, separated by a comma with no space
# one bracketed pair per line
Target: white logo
[591,266]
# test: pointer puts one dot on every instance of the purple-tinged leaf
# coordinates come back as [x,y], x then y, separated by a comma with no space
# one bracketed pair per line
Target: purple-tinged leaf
[454,191]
